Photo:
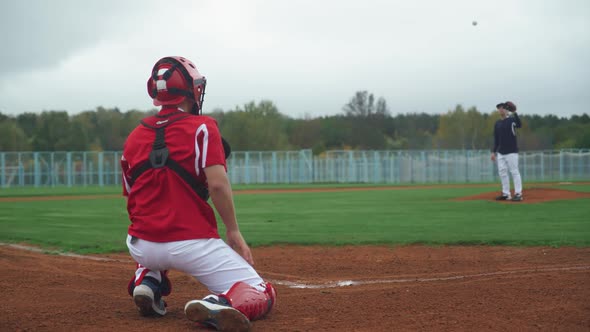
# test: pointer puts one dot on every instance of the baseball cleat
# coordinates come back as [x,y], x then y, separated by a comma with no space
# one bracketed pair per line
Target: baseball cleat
[211,312]
[517,198]
[147,303]
[503,198]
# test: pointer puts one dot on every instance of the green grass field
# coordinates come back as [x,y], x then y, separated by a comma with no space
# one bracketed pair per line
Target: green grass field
[414,215]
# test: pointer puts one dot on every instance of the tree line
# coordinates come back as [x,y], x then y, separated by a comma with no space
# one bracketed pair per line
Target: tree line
[365,123]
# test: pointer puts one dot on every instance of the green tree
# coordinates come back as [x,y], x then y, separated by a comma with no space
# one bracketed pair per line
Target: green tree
[13,138]
[336,131]
[77,137]
[109,128]
[306,134]
[583,141]
[255,127]
[51,131]
[28,122]
[86,122]
[460,129]
[363,105]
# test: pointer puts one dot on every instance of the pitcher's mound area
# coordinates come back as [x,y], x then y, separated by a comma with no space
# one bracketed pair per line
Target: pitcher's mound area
[531,195]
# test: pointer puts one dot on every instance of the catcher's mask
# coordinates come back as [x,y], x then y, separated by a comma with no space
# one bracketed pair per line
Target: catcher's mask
[175,78]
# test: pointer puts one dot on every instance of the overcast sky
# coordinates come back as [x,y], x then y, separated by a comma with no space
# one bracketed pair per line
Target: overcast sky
[308,57]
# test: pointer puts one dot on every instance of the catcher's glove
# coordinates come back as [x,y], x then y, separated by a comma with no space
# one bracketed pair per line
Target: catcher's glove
[509,106]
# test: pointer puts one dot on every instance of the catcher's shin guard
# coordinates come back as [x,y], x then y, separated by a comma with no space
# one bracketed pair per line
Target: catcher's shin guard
[250,301]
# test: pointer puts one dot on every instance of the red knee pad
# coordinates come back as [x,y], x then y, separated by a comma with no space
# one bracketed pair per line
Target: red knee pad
[250,301]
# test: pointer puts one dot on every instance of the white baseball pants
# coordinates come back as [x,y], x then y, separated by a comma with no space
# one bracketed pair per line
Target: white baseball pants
[211,261]
[509,163]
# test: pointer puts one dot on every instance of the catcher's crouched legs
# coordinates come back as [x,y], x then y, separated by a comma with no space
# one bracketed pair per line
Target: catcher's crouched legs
[233,310]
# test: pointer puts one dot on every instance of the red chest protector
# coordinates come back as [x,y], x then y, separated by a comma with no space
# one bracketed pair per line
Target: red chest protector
[160,155]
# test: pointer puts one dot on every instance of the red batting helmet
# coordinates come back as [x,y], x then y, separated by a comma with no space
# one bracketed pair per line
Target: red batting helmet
[175,78]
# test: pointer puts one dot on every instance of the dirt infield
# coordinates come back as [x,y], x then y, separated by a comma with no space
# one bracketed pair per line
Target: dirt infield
[306,189]
[237,192]
[532,195]
[321,289]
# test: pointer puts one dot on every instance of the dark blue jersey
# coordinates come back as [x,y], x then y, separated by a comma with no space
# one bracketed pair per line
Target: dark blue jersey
[505,134]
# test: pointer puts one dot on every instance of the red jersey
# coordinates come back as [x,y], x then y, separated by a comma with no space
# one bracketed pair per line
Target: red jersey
[162,206]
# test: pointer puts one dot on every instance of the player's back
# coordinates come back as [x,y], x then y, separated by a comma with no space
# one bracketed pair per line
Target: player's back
[162,206]
[505,130]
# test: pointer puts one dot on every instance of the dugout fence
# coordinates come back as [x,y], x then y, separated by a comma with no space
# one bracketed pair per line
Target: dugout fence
[86,168]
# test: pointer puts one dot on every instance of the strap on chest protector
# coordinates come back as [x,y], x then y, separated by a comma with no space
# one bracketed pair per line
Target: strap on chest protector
[159,157]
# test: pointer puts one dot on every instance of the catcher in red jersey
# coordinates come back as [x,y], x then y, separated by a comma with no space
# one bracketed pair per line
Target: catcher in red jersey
[173,163]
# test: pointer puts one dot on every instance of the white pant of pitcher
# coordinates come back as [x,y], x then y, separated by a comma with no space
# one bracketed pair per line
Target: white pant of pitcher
[508,163]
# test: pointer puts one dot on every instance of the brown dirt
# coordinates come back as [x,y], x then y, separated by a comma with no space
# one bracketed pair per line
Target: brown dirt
[532,195]
[235,192]
[397,288]
[285,190]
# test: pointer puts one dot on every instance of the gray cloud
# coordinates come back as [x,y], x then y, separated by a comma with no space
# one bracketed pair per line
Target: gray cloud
[307,56]
[42,33]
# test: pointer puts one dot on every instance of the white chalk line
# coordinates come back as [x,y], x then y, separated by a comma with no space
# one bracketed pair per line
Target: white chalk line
[341,283]
[59,253]
[345,283]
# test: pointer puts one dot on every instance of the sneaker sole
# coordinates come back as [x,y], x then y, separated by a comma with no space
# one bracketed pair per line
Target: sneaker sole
[223,319]
[143,298]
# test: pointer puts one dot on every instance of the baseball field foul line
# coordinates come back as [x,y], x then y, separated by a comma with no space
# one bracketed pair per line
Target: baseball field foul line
[341,283]
[345,283]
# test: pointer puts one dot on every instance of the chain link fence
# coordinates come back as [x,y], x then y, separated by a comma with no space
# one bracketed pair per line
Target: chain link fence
[20,169]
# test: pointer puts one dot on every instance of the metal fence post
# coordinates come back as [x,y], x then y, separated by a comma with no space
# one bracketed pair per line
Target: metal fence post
[247,167]
[116,168]
[53,171]
[376,167]
[351,168]
[560,165]
[100,169]
[69,169]
[580,166]
[542,166]
[524,172]
[3,170]
[36,170]
[573,165]
[85,169]
[274,166]
[399,167]
[425,166]
[391,168]
[467,156]
[411,154]
[21,171]
[303,162]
